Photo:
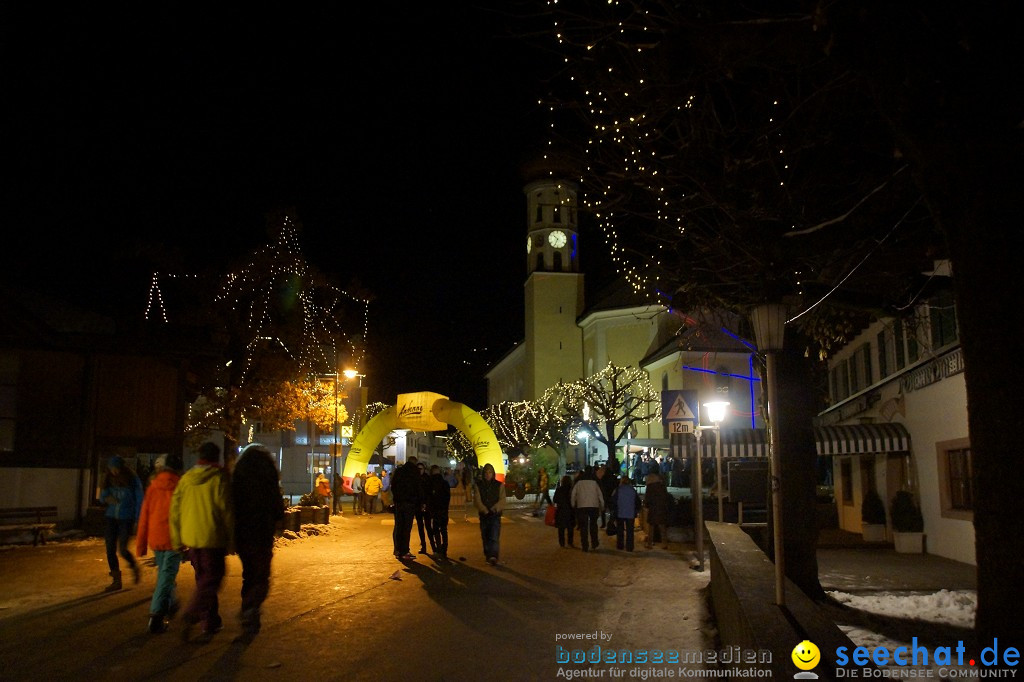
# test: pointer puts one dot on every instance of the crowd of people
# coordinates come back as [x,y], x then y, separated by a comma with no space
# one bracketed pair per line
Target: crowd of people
[200,516]
[204,514]
[597,498]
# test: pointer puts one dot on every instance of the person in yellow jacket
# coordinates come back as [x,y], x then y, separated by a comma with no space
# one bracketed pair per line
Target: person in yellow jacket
[202,521]
[371,489]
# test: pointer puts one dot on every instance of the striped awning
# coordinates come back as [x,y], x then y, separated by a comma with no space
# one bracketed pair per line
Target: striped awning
[862,439]
[850,439]
[737,443]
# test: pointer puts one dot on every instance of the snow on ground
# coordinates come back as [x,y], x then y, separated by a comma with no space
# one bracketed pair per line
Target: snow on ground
[910,612]
[951,607]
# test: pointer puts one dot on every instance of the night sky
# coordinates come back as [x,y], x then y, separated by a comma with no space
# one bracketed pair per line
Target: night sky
[397,131]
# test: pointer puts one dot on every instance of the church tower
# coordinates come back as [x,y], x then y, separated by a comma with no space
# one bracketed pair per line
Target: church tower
[554,286]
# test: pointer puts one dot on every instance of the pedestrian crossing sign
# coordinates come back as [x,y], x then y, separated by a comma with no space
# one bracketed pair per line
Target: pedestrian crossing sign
[679,406]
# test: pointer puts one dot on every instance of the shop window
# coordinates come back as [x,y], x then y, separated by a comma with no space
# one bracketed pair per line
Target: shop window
[956,484]
[913,348]
[942,320]
[840,381]
[860,368]
[897,344]
[884,343]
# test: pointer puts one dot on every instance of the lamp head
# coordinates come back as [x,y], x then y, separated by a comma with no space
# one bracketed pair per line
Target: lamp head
[716,411]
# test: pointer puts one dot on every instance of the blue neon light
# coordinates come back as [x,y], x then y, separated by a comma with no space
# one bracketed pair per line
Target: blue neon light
[750,363]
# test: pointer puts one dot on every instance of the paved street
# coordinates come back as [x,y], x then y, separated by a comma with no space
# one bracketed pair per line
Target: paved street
[335,611]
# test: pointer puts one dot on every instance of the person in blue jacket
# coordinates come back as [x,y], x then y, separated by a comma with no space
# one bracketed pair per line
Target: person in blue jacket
[625,506]
[122,494]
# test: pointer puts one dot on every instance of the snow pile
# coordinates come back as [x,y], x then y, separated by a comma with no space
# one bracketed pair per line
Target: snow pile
[949,607]
[952,608]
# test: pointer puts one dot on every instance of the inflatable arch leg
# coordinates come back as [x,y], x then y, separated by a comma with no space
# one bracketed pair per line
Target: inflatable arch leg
[466,420]
[477,430]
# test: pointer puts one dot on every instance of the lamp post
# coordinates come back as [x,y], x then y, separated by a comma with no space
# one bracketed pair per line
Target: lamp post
[697,492]
[355,374]
[769,322]
[585,433]
[586,419]
[716,413]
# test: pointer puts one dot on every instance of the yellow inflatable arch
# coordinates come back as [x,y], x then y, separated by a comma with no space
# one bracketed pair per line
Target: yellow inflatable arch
[424,412]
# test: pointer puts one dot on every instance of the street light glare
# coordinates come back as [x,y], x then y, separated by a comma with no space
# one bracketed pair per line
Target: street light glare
[350,373]
[716,411]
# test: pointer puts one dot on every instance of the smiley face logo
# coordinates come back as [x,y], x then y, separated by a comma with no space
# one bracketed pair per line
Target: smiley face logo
[806,655]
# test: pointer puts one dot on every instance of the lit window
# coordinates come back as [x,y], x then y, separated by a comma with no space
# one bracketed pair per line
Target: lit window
[961,495]
[956,484]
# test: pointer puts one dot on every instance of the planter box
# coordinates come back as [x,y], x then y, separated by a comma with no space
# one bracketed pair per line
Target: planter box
[314,515]
[873,532]
[908,543]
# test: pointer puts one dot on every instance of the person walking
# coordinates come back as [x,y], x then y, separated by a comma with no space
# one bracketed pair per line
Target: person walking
[323,489]
[439,495]
[625,508]
[588,501]
[385,489]
[607,482]
[336,490]
[357,495]
[489,498]
[565,515]
[371,489]
[122,493]
[258,506]
[543,483]
[408,495]
[202,519]
[154,532]
[422,515]
[658,501]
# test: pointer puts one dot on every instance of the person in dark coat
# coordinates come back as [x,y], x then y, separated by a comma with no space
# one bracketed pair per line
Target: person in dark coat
[658,502]
[625,507]
[608,483]
[439,495]
[565,516]
[256,494]
[422,515]
[408,495]
[489,499]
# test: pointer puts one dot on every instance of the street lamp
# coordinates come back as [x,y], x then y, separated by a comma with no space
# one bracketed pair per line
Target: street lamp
[769,322]
[585,433]
[716,413]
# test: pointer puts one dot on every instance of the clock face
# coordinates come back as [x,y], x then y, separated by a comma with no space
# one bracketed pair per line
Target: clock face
[529,244]
[557,239]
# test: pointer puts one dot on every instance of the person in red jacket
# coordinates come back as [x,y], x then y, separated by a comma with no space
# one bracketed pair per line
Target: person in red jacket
[154,533]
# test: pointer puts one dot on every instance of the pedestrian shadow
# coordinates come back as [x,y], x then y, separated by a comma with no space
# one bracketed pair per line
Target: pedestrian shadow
[44,613]
[482,598]
[229,665]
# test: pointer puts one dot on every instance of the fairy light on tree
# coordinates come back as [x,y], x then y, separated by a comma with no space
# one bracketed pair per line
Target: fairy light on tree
[283,322]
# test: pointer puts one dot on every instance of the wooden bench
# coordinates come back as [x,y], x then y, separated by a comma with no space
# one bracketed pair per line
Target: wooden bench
[35,519]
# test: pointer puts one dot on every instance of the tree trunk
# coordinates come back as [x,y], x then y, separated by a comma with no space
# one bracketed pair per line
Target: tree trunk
[978,210]
[947,76]
[798,405]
